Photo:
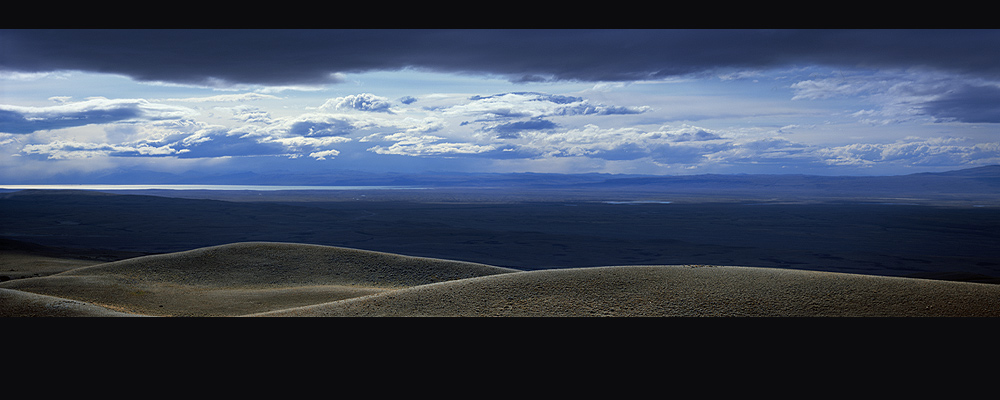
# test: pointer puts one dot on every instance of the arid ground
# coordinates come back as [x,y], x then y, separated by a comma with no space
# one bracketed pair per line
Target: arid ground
[261,279]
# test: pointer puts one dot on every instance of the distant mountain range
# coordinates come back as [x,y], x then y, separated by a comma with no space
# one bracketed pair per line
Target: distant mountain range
[974,184]
[981,182]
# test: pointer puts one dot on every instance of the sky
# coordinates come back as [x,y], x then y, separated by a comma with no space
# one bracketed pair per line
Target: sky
[76,105]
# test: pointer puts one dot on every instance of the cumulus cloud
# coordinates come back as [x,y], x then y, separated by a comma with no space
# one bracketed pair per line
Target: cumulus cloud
[428,145]
[312,134]
[945,152]
[764,151]
[322,155]
[535,105]
[505,117]
[667,145]
[671,144]
[359,102]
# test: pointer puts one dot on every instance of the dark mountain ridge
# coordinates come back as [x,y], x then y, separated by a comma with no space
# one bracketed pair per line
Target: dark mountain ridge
[989,173]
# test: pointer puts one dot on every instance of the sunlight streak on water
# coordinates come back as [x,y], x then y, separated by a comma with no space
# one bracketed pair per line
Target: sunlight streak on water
[637,202]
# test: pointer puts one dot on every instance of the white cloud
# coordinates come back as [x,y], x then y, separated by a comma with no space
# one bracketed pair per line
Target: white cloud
[828,88]
[32,76]
[297,142]
[80,150]
[98,104]
[249,114]
[432,149]
[533,105]
[359,102]
[954,152]
[322,155]
[427,145]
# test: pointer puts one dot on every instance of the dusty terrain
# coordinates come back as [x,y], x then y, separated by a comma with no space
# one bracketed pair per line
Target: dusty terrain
[265,279]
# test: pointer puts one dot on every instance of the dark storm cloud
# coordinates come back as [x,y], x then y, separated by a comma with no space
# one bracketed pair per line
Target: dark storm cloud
[307,56]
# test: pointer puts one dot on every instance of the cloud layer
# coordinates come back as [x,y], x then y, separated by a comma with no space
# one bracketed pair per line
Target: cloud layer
[656,101]
[280,57]
[19,119]
[501,126]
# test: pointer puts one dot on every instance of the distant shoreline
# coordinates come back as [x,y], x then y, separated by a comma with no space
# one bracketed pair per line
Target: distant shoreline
[199,187]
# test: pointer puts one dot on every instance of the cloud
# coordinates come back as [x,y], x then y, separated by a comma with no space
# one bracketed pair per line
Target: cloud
[189,139]
[284,57]
[322,155]
[532,96]
[906,95]
[331,127]
[18,119]
[667,144]
[535,105]
[694,135]
[60,150]
[226,98]
[599,109]
[966,103]
[222,144]
[538,139]
[506,115]
[511,129]
[833,88]
[250,114]
[428,145]
[359,102]
[764,151]
[945,152]
[298,143]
